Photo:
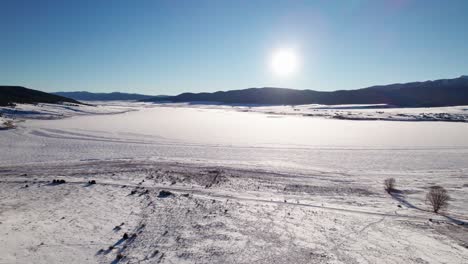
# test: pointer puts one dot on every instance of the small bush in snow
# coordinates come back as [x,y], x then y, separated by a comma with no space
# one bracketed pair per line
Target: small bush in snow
[58,181]
[389,185]
[438,198]
[164,194]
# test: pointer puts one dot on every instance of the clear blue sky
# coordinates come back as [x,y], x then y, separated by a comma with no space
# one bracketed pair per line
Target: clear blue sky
[168,47]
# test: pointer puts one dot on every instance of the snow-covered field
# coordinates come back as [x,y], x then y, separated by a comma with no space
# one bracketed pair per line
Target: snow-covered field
[58,111]
[348,112]
[246,185]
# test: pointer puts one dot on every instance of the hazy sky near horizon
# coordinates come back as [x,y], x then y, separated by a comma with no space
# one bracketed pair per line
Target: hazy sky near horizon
[169,47]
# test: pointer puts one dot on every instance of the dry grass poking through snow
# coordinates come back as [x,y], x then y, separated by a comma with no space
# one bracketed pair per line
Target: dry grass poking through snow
[146,212]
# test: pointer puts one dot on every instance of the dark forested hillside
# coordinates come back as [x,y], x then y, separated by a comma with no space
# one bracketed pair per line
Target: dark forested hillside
[446,92]
[116,96]
[18,94]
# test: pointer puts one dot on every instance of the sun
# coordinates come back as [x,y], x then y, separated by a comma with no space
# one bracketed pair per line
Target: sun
[284,62]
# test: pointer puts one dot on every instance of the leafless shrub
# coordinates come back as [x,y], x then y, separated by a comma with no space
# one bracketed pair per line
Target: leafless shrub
[389,185]
[164,194]
[438,198]
[54,181]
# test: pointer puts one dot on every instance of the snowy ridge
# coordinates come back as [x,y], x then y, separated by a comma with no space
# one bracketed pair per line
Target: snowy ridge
[57,111]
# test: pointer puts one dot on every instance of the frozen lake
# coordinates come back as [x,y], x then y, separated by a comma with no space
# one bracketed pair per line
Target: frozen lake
[244,186]
[226,137]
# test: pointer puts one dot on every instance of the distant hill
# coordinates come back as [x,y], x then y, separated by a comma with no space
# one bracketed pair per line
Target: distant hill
[87,96]
[18,94]
[445,92]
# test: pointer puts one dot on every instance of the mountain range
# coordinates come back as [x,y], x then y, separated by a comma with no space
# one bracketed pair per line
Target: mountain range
[444,92]
[116,96]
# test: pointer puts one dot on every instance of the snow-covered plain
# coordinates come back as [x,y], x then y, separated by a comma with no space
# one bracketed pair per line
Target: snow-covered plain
[58,111]
[347,112]
[249,185]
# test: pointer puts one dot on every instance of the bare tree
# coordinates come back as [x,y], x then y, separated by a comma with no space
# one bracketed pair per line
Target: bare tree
[438,198]
[389,185]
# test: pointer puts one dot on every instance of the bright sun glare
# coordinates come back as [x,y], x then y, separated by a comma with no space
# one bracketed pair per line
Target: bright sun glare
[284,62]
